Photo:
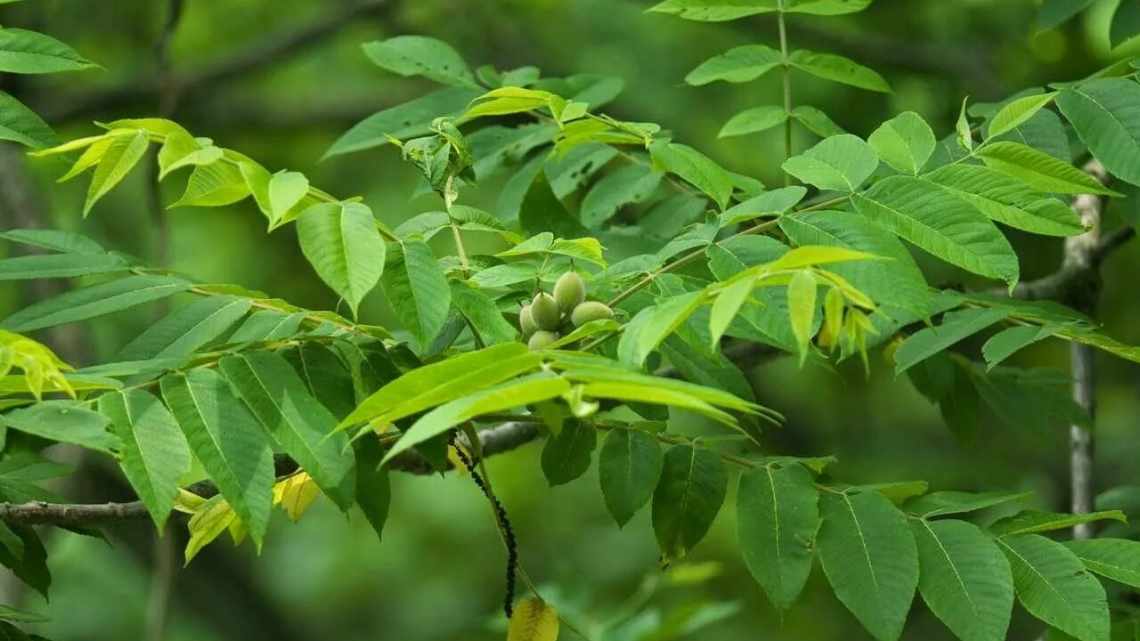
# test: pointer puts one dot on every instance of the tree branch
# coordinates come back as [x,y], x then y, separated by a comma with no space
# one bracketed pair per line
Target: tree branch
[271,50]
[495,440]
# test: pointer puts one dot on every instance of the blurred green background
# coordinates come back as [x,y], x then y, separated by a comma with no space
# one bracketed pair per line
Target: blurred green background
[438,572]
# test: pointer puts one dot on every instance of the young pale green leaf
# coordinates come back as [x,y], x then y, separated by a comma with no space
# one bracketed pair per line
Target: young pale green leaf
[1106,116]
[404,121]
[694,168]
[417,289]
[447,380]
[566,455]
[66,422]
[930,341]
[688,496]
[1116,559]
[629,467]
[214,185]
[227,440]
[342,243]
[962,128]
[870,559]
[22,125]
[663,320]
[841,163]
[1007,200]
[116,162]
[96,300]
[904,142]
[964,579]
[726,306]
[769,203]
[421,56]
[714,10]
[940,223]
[838,69]
[267,325]
[1011,340]
[155,455]
[605,371]
[60,266]
[816,121]
[23,51]
[286,189]
[739,64]
[483,314]
[1016,112]
[754,120]
[187,330]
[1040,170]
[295,420]
[1055,587]
[180,149]
[524,391]
[625,391]
[1034,522]
[802,305]
[777,511]
[945,503]
[626,186]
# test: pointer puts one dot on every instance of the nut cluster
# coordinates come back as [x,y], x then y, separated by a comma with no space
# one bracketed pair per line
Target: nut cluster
[546,317]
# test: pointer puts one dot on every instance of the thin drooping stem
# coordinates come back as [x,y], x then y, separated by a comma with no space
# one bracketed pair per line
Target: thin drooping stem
[787,86]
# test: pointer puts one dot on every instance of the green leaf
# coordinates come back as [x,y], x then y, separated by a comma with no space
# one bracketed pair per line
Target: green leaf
[342,243]
[1033,521]
[904,142]
[801,309]
[656,389]
[838,69]
[214,185]
[404,121]
[566,455]
[777,515]
[483,314]
[688,496]
[770,203]
[632,184]
[1116,559]
[662,320]
[870,559]
[1011,340]
[121,156]
[1055,587]
[267,325]
[962,128]
[629,467]
[965,580]
[694,168]
[1007,200]
[722,10]
[54,239]
[841,163]
[1016,112]
[524,391]
[180,149]
[542,212]
[726,306]
[155,455]
[940,223]
[1055,12]
[1125,23]
[1040,170]
[60,266]
[929,341]
[295,420]
[739,64]
[97,300]
[373,487]
[1106,115]
[66,422]
[816,121]
[944,503]
[417,289]
[286,189]
[31,567]
[754,120]
[227,440]
[421,56]
[22,125]
[447,380]
[23,51]
[187,330]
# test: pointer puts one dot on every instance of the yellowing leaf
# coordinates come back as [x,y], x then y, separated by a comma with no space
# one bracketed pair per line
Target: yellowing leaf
[208,522]
[533,620]
[295,494]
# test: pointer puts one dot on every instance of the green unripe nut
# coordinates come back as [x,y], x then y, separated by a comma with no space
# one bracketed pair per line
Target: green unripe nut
[569,291]
[544,312]
[541,339]
[526,322]
[590,311]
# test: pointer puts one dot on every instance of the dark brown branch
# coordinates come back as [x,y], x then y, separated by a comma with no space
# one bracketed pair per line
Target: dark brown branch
[273,49]
[495,440]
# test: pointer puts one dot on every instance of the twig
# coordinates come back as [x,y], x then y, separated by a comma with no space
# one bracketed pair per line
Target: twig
[272,50]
